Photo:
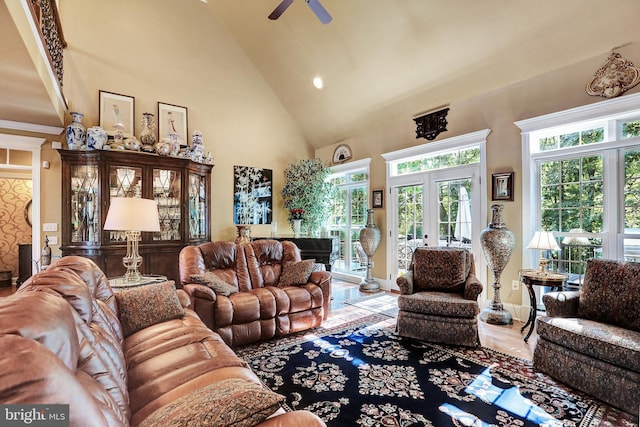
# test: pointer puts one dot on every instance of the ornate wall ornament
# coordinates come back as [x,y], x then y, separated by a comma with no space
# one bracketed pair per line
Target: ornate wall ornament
[614,78]
[431,125]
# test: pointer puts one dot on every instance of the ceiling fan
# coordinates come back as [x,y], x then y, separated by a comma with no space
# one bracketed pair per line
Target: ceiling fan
[314,5]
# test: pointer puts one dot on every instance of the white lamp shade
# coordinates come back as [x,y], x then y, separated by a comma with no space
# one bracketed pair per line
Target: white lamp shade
[132,214]
[543,240]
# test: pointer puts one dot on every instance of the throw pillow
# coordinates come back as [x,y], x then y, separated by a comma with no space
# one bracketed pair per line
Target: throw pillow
[146,305]
[218,285]
[296,273]
[233,402]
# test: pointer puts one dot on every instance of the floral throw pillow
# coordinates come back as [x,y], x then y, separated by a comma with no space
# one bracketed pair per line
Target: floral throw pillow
[296,273]
[146,305]
[233,402]
[219,286]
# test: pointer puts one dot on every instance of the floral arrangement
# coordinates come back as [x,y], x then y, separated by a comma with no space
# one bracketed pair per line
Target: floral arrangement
[297,213]
[307,188]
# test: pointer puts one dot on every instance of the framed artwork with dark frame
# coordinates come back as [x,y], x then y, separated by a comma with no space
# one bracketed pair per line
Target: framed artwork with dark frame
[172,119]
[377,199]
[115,108]
[502,186]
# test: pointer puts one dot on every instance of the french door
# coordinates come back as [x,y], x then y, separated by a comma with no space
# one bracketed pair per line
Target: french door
[435,208]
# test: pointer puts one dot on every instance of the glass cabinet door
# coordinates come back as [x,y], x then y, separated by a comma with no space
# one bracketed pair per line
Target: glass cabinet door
[167,187]
[197,206]
[124,181]
[85,215]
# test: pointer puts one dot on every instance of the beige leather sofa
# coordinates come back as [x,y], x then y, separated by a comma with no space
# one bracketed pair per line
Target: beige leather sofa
[261,305]
[137,357]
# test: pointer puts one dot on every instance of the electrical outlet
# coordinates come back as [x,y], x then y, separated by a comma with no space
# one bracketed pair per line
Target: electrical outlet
[515,285]
[53,240]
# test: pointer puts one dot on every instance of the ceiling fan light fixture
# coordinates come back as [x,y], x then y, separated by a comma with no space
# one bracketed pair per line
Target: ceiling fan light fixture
[314,5]
[318,82]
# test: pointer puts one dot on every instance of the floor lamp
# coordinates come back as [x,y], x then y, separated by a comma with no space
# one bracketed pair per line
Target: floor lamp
[132,215]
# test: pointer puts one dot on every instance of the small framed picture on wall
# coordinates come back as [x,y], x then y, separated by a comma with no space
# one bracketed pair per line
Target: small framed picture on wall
[502,186]
[376,199]
[172,120]
[116,109]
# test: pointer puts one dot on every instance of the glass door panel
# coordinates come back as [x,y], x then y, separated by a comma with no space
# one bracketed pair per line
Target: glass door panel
[85,216]
[124,181]
[436,209]
[166,191]
[409,202]
[197,206]
[454,219]
[349,216]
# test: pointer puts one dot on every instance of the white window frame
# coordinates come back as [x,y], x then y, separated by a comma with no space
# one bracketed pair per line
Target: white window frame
[478,138]
[606,114]
[345,169]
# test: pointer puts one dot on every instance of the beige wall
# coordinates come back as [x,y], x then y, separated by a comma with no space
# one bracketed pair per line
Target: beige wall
[176,52]
[497,111]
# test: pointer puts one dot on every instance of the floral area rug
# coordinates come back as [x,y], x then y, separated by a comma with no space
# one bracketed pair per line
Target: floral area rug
[363,374]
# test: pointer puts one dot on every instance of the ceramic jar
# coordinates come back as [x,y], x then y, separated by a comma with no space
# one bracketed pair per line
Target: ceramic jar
[497,243]
[96,138]
[76,132]
[148,135]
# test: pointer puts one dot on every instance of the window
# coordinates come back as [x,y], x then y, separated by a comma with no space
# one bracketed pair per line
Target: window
[349,215]
[435,161]
[581,174]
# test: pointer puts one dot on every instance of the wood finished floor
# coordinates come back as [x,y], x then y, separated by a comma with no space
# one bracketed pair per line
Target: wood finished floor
[503,338]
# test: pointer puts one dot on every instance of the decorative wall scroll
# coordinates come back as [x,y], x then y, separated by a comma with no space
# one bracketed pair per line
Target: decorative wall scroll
[431,125]
[614,78]
[253,196]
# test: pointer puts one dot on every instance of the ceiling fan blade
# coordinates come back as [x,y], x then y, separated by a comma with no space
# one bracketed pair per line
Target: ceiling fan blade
[320,11]
[279,10]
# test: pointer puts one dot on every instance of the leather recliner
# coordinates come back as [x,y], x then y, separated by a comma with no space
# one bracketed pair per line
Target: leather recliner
[260,309]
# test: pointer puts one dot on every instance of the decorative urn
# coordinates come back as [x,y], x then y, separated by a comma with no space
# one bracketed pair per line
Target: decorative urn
[497,243]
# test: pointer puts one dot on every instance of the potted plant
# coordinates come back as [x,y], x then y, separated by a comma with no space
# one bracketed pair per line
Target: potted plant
[307,193]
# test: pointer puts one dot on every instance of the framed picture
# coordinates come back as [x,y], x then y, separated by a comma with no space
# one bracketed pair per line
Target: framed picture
[172,119]
[376,199]
[115,108]
[502,186]
[252,195]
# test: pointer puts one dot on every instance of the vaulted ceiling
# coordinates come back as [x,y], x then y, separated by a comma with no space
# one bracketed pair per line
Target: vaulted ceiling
[384,60]
[381,60]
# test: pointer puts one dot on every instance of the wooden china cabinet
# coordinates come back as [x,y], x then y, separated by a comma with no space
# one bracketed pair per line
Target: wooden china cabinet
[90,179]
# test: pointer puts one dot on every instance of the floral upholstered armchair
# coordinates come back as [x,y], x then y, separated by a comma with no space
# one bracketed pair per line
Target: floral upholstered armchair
[438,299]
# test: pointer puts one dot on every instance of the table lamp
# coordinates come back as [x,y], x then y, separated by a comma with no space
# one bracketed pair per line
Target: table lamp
[132,215]
[544,241]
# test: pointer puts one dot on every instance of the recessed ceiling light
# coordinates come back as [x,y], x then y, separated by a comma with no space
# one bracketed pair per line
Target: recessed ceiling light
[318,82]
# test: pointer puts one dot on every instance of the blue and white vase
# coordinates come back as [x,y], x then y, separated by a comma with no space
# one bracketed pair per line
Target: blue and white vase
[76,132]
[96,138]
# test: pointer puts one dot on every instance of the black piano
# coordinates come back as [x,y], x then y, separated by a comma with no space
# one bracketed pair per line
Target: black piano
[323,249]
